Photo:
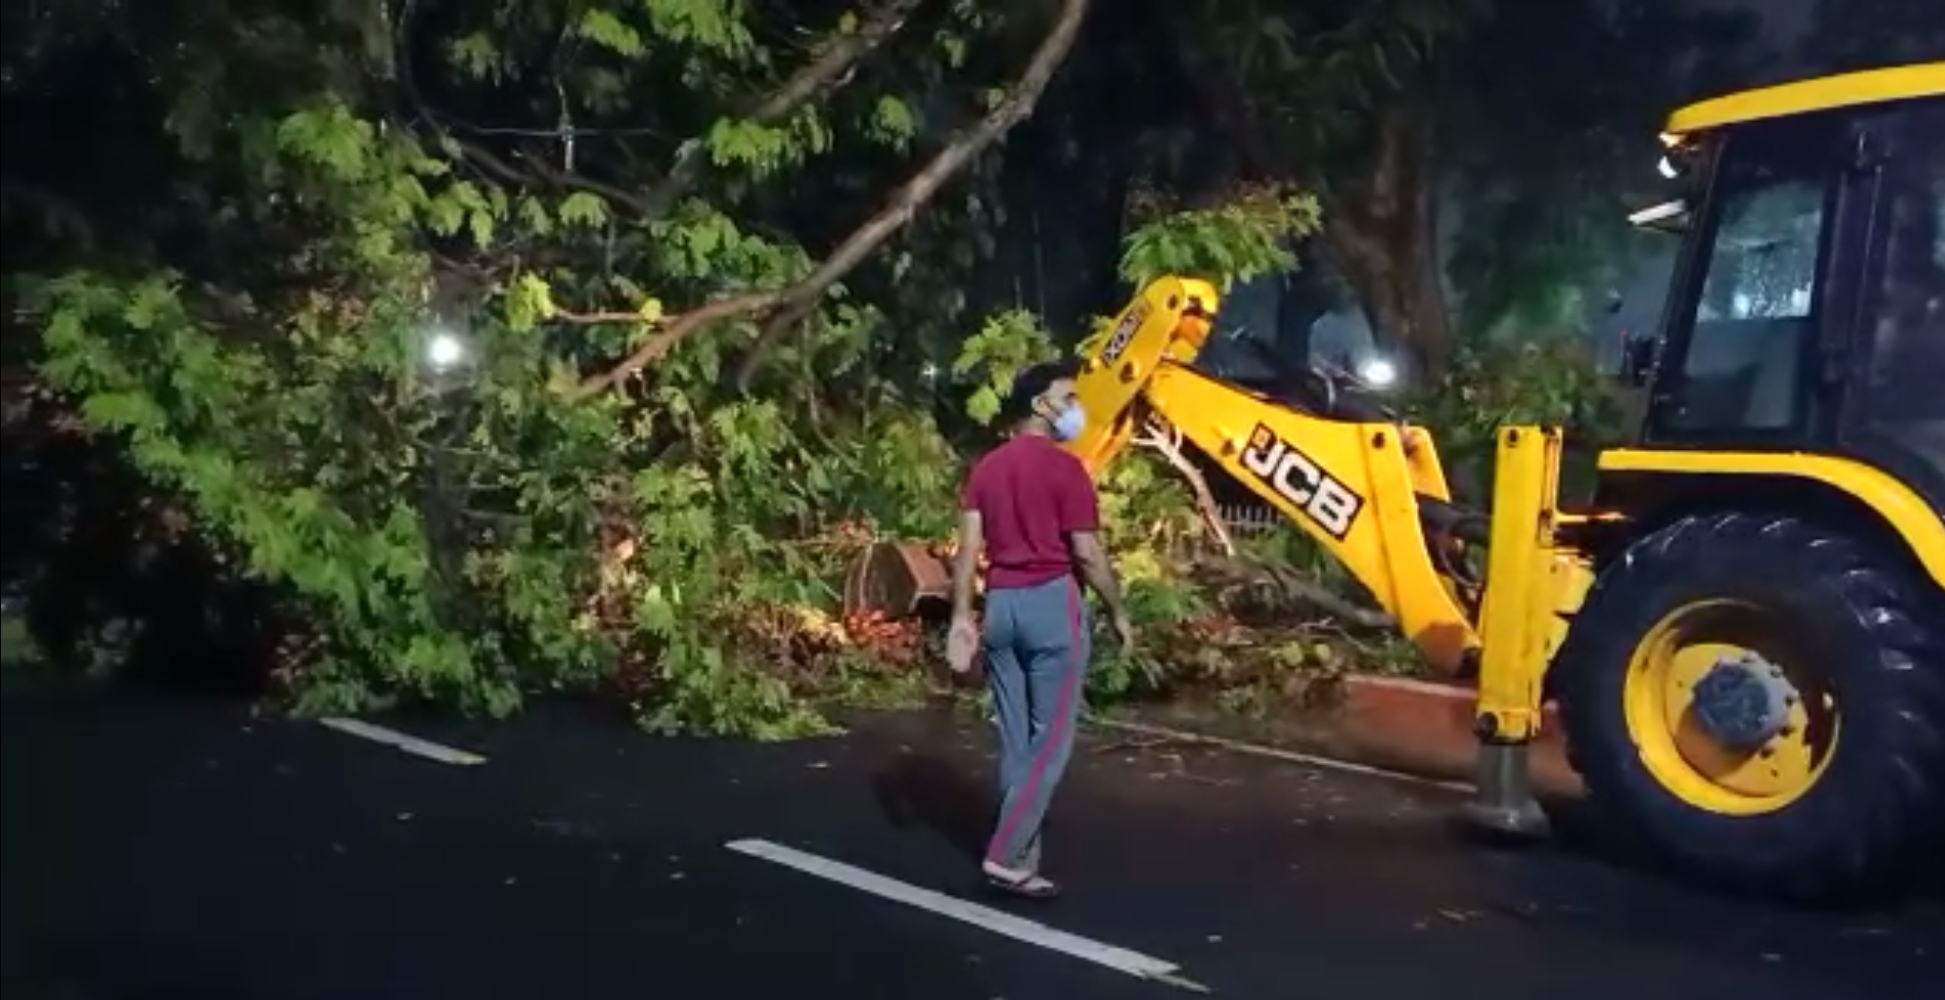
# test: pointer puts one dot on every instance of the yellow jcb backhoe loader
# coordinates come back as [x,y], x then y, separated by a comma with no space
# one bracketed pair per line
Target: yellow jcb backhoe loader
[1745,627]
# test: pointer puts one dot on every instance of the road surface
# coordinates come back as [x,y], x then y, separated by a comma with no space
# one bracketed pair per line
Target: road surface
[183,849]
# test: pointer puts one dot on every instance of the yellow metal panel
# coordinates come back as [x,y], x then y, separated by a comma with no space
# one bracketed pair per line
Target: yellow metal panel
[1805,96]
[1917,522]
[1523,582]
[1168,321]
[1427,472]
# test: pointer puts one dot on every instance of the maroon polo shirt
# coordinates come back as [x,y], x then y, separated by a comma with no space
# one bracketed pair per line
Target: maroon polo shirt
[1030,494]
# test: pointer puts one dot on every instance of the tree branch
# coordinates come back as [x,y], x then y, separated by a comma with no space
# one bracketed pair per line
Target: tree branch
[817,78]
[576,180]
[531,171]
[1320,597]
[830,70]
[1239,576]
[904,203]
[787,307]
[671,332]
[1165,439]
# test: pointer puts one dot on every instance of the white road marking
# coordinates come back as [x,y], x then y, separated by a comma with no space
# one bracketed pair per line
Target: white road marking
[1032,932]
[403,741]
[1294,757]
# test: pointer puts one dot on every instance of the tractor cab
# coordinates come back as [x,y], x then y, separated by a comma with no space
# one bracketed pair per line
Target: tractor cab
[1807,311]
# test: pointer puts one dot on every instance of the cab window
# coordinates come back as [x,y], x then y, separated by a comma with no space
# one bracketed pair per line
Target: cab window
[1905,395]
[1756,311]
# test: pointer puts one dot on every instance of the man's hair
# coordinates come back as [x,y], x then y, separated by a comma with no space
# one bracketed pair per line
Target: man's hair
[1033,383]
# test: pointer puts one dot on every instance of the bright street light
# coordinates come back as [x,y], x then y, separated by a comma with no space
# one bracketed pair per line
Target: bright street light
[1378,372]
[445,350]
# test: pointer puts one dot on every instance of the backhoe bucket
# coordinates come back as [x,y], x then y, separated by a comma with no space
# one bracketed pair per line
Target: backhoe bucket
[897,580]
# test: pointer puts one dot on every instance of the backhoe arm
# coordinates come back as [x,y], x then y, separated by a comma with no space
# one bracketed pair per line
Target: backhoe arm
[1169,320]
[1355,487]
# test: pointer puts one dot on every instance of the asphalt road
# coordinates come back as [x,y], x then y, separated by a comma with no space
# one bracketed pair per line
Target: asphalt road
[179,849]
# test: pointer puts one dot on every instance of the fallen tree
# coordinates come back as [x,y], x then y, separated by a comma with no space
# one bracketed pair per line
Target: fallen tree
[373,362]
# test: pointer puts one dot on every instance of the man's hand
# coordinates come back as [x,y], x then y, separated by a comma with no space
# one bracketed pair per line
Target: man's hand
[1125,631]
[962,644]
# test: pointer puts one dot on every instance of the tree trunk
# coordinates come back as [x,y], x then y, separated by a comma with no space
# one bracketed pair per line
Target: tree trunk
[1381,232]
[1380,216]
[1102,233]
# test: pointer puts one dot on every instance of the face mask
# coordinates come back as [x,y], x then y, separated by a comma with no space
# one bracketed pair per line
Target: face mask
[1069,423]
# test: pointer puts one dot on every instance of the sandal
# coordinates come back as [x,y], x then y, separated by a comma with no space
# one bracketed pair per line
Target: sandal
[1026,885]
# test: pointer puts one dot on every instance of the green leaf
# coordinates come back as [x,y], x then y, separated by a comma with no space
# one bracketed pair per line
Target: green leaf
[475,55]
[892,121]
[655,613]
[605,29]
[530,301]
[584,209]
[984,405]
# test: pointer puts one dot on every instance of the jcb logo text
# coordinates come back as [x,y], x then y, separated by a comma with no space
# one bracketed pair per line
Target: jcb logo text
[1293,476]
[1124,333]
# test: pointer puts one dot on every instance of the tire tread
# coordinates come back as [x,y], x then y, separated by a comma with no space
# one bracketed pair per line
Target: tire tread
[1906,802]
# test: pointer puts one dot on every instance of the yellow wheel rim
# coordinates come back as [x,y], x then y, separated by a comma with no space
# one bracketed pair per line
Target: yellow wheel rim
[1659,705]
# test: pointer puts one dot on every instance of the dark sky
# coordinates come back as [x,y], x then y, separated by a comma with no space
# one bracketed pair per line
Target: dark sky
[1783,20]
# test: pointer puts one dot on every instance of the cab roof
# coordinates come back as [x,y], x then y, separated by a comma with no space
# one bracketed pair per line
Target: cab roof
[1844,90]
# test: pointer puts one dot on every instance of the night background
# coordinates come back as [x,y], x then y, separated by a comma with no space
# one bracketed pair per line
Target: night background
[532,373]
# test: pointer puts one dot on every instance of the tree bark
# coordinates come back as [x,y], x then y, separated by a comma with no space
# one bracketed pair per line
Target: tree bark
[1164,439]
[1381,231]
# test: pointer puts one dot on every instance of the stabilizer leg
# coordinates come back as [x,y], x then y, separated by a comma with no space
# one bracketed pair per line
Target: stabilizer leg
[1504,803]
[1525,587]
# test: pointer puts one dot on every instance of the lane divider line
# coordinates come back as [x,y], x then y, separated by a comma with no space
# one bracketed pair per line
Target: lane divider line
[1122,960]
[1275,753]
[403,741]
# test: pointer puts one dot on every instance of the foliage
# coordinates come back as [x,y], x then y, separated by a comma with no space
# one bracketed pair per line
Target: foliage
[1252,233]
[1005,345]
[18,647]
[1545,379]
[529,518]
[1148,515]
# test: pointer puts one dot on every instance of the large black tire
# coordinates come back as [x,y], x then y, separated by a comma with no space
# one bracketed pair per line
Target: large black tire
[1878,633]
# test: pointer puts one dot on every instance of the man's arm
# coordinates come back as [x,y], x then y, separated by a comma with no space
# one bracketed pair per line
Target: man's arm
[1080,521]
[1098,571]
[965,563]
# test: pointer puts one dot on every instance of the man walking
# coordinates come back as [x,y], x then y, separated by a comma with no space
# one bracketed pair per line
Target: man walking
[1031,506]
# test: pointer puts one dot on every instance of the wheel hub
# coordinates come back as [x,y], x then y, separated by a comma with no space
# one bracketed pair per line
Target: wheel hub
[1744,701]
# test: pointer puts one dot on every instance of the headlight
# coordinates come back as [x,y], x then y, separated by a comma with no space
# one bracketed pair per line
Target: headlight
[1378,372]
